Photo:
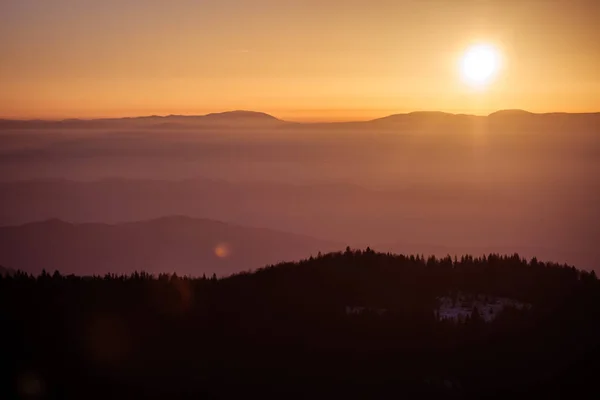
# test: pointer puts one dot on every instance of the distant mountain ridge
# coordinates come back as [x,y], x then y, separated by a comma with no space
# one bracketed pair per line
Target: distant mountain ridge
[224,118]
[261,119]
[190,246]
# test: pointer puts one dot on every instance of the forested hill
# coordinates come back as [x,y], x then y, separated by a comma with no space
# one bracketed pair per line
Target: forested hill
[388,280]
[286,330]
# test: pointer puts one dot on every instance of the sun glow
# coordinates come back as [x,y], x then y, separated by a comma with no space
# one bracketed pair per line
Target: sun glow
[480,64]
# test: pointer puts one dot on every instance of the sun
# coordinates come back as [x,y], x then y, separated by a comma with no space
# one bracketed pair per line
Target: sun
[480,64]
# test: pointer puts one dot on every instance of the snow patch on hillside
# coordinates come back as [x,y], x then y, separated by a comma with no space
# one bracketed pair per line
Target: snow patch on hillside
[461,306]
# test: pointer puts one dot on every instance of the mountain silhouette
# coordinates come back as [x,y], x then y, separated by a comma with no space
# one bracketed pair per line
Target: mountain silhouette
[511,113]
[553,120]
[251,119]
[239,117]
[420,117]
[187,245]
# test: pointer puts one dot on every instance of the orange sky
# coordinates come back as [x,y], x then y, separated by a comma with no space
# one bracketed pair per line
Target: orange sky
[303,60]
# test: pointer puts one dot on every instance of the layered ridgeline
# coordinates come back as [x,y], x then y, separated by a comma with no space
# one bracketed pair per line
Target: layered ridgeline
[353,324]
[241,118]
[548,219]
[229,118]
[187,246]
[511,181]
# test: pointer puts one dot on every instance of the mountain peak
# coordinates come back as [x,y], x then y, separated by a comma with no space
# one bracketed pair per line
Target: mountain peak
[242,114]
[510,113]
[432,116]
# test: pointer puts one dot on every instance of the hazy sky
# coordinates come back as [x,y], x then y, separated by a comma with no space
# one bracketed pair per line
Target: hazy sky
[326,59]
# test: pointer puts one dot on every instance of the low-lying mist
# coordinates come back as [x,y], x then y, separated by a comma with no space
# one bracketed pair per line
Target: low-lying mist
[430,183]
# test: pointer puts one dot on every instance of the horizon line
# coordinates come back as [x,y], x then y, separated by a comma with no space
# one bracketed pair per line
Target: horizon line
[304,121]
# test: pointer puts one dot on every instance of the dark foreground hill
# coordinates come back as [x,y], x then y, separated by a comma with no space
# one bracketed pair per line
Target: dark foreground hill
[286,332]
[188,246]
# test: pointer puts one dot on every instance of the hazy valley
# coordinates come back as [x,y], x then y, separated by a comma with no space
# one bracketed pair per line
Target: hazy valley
[430,183]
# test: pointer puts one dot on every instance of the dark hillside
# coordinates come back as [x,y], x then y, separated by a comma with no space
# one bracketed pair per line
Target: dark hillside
[285,331]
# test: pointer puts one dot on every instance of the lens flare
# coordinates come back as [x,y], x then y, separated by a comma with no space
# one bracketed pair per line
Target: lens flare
[222,250]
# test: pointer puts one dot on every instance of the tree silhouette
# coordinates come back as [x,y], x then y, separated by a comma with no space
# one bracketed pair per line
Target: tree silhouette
[286,326]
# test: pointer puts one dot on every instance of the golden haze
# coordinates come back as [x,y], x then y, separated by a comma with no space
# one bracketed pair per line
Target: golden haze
[334,60]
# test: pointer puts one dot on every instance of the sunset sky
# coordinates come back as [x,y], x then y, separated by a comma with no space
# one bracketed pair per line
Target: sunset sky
[302,60]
